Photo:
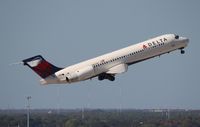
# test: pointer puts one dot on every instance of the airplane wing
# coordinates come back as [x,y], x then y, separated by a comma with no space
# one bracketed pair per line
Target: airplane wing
[121,68]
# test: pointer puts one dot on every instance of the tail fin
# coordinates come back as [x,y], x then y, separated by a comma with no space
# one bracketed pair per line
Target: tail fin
[39,65]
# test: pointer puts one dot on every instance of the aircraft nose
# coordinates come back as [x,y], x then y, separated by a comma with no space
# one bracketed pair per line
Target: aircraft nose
[184,39]
[187,40]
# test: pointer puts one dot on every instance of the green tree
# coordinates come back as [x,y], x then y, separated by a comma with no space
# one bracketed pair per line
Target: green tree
[71,123]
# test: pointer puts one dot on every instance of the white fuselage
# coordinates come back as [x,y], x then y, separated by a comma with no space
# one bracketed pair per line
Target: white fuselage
[129,55]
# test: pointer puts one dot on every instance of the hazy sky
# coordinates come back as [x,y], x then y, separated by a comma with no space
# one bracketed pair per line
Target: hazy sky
[67,32]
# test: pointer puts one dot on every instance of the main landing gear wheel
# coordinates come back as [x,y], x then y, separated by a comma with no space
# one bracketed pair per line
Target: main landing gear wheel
[111,78]
[106,76]
[100,78]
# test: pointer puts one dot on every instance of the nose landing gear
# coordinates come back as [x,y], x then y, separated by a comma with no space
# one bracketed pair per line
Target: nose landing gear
[182,51]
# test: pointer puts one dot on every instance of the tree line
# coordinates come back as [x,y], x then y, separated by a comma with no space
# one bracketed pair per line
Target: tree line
[101,118]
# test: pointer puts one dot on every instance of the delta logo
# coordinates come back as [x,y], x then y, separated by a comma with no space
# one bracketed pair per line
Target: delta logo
[154,43]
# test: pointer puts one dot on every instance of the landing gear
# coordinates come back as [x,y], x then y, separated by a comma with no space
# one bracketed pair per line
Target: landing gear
[106,76]
[182,51]
[111,78]
[101,77]
[67,79]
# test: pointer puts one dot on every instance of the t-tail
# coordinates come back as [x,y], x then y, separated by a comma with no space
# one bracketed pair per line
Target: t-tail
[40,66]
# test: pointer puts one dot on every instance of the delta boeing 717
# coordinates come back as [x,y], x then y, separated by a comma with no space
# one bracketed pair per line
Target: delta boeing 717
[108,65]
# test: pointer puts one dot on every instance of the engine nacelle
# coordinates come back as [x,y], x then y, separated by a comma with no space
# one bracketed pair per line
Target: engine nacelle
[80,74]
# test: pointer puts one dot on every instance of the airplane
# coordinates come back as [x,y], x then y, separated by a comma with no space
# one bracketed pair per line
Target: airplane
[108,65]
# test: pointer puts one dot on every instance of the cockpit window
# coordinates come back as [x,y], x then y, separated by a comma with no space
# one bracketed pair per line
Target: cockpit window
[176,36]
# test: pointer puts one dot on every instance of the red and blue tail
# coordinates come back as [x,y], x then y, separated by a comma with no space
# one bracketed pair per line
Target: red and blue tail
[42,67]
